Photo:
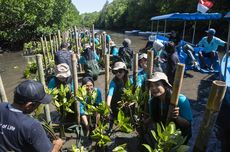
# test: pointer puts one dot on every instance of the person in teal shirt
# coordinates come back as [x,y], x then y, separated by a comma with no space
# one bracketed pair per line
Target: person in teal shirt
[210,45]
[161,91]
[89,84]
[116,89]
[88,54]
[63,76]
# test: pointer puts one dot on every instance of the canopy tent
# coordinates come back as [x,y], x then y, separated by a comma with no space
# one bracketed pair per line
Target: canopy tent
[186,17]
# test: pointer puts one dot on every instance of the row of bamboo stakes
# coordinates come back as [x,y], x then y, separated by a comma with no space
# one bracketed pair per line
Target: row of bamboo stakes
[212,108]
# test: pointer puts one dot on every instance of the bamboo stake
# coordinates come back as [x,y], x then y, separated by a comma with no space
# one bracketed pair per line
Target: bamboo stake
[76,39]
[56,41]
[176,89]
[213,106]
[75,80]
[51,47]
[150,63]
[106,75]
[3,96]
[177,83]
[93,37]
[47,50]
[59,38]
[42,80]
[150,57]
[43,52]
[135,69]
[103,44]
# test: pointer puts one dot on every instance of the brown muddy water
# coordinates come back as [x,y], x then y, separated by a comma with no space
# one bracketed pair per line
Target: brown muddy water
[196,89]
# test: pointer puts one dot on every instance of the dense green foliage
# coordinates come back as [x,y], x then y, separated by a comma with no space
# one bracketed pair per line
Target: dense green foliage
[26,20]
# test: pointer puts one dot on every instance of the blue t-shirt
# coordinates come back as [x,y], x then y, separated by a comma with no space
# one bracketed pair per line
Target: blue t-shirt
[97,102]
[112,87]
[184,111]
[141,78]
[20,132]
[115,51]
[212,46]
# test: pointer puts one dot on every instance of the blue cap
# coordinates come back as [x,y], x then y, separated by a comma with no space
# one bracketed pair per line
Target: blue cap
[211,31]
[31,91]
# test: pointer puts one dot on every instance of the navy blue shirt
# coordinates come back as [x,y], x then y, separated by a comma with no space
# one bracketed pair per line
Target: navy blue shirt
[20,132]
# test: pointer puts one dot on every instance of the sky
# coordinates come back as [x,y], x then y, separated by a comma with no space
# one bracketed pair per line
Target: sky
[89,6]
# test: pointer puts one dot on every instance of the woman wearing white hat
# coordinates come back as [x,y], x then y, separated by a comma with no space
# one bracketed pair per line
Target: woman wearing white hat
[63,76]
[115,88]
[161,91]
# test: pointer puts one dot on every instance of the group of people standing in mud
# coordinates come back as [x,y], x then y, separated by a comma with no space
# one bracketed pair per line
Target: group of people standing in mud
[159,84]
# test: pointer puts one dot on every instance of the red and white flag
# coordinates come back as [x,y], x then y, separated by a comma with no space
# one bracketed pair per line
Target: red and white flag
[204,5]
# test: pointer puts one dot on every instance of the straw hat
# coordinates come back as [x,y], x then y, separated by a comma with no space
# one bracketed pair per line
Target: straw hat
[62,71]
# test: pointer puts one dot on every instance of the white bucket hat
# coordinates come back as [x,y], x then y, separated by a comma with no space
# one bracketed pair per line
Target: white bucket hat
[119,65]
[62,71]
[157,45]
[144,55]
[157,76]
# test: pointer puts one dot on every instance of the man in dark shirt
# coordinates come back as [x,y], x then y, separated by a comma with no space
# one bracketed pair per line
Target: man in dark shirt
[172,60]
[63,55]
[20,132]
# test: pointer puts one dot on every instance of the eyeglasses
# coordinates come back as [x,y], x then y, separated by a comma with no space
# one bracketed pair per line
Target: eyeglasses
[117,71]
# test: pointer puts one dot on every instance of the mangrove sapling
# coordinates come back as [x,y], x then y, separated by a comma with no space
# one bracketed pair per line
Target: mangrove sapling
[30,70]
[120,148]
[62,104]
[75,149]
[168,139]
[98,135]
[133,99]
[123,123]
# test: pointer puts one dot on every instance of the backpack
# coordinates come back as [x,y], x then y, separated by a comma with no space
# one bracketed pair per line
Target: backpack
[63,57]
[126,56]
[92,69]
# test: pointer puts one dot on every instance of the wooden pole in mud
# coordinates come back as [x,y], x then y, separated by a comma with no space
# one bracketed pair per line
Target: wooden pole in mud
[59,38]
[51,47]
[103,44]
[178,79]
[47,50]
[135,69]
[150,57]
[177,84]
[75,80]
[42,80]
[76,40]
[150,63]
[56,43]
[212,108]
[93,37]
[106,75]
[3,97]
[43,52]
